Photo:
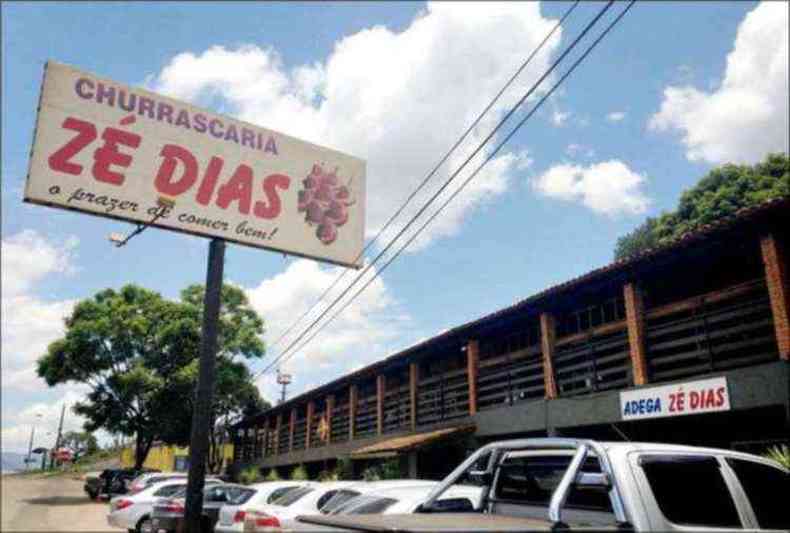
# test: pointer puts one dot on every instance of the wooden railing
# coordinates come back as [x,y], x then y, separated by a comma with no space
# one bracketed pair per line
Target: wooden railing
[365,423]
[300,430]
[509,378]
[443,397]
[593,364]
[340,419]
[731,330]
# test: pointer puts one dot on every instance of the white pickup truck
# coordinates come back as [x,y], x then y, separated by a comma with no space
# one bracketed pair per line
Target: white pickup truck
[548,484]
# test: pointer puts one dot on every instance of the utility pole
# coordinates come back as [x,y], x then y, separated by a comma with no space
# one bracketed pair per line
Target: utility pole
[284,380]
[201,416]
[57,438]
[30,445]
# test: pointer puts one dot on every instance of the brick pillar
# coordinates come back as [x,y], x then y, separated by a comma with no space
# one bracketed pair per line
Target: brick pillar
[413,379]
[472,353]
[352,410]
[309,423]
[547,339]
[278,425]
[291,430]
[380,384]
[330,407]
[635,319]
[776,278]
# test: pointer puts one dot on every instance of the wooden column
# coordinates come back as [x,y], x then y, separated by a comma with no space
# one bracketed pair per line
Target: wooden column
[413,380]
[277,427]
[380,389]
[265,436]
[472,354]
[291,430]
[330,406]
[635,320]
[309,423]
[776,279]
[352,410]
[547,340]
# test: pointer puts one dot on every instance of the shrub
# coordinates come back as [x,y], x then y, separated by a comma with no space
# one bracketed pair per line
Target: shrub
[299,474]
[389,469]
[249,475]
[328,475]
[780,454]
[273,475]
[345,469]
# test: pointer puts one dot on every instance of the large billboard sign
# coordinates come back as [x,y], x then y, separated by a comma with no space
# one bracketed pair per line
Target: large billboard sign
[689,398]
[111,150]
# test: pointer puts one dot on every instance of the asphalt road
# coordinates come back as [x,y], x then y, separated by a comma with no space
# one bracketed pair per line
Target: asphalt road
[49,504]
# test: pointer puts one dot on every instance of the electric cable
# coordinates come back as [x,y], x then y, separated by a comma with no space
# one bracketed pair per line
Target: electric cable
[427,178]
[287,352]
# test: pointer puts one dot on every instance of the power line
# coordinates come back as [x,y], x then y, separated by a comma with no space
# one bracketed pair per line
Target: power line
[468,179]
[427,178]
[450,179]
[444,185]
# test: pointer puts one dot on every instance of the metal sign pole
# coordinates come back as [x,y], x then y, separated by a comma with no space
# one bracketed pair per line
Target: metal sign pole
[201,416]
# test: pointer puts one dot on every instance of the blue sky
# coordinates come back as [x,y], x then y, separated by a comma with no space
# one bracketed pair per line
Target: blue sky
[653,108]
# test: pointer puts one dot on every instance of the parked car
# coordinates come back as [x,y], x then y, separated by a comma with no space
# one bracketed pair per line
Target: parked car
[168,512]
[111,481]
[398,497]
[406,500]
[231,517]
[365,487]
[304,500]
[133,511]
[532,484]
[145,480]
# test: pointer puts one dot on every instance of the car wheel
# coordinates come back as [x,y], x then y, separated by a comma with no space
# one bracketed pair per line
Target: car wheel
[145,525]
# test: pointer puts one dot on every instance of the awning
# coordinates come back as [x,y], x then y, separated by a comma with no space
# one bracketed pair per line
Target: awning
[394,446]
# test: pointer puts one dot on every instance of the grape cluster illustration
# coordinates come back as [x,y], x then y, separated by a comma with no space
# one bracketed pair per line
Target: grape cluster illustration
[325,202]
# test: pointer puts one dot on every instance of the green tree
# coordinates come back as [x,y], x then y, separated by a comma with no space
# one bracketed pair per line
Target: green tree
[138,353]
[722,192]
[81,442]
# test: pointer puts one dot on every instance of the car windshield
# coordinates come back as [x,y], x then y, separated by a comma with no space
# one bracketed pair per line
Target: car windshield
[340,498]
[292,496]
[368,505]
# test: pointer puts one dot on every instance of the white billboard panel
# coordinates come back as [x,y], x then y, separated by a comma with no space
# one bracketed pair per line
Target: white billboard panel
[689,398]
[111,150]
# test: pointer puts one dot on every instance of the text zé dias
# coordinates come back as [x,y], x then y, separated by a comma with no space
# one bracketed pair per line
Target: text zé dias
[109,162]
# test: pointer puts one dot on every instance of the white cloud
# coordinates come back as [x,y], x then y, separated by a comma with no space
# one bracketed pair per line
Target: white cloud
[575,149]
[397,99]
[364,332]
[609,187]
[558,118]
[747,116]
[30,323]
[616,116]
[17,424]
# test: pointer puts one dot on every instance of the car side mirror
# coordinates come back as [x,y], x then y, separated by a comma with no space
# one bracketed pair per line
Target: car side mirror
[448,505]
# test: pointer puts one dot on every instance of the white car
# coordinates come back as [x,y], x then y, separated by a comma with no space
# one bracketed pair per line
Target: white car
[365,487]
[146,480]
[231,517]
[133,511]
[302,501]
[406,500]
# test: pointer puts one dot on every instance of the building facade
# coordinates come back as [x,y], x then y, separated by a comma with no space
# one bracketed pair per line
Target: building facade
[710,310]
